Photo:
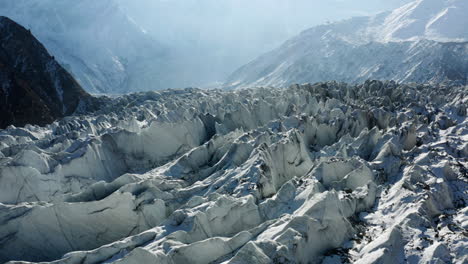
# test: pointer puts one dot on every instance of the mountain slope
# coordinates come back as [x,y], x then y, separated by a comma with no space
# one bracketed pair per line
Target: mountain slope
[35,88]
[388,46]
[440,20]
[332,59]
[96,41]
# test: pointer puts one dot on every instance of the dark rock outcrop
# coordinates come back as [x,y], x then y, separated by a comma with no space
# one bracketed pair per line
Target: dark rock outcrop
[34,87]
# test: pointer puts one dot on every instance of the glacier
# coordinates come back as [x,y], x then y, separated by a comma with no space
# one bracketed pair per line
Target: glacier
[315,173]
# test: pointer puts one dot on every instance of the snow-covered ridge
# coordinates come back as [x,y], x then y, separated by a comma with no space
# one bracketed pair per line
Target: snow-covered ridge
[423,41]
[373,173]
[439,20]
[328,58]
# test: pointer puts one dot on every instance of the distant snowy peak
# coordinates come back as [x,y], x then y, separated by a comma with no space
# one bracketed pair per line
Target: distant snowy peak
[423,41]
[440,20]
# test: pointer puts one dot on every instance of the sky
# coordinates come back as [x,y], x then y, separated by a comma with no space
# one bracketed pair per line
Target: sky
[215,37]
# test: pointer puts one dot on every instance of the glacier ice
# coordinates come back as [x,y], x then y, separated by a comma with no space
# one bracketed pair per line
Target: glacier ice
[327,172]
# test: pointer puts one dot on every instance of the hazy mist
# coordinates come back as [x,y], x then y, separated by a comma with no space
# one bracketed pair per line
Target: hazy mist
[214,37]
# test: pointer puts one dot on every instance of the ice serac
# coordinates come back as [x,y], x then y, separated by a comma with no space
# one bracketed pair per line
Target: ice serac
[425,41]
[35,89]
[316,173]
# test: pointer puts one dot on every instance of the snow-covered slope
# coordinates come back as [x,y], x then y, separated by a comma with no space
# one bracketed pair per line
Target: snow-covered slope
[423,41]
[440,20]
[96,41]
[373,173]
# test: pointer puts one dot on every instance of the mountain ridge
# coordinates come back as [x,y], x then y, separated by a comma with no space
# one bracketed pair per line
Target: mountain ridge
[354,50]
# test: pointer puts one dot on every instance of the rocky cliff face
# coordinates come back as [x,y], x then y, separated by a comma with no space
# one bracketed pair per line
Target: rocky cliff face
[35,89]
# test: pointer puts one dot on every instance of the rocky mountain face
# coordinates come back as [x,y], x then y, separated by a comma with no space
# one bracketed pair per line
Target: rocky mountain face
[97,43]
[419,42]
[368,173]
[35,89]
